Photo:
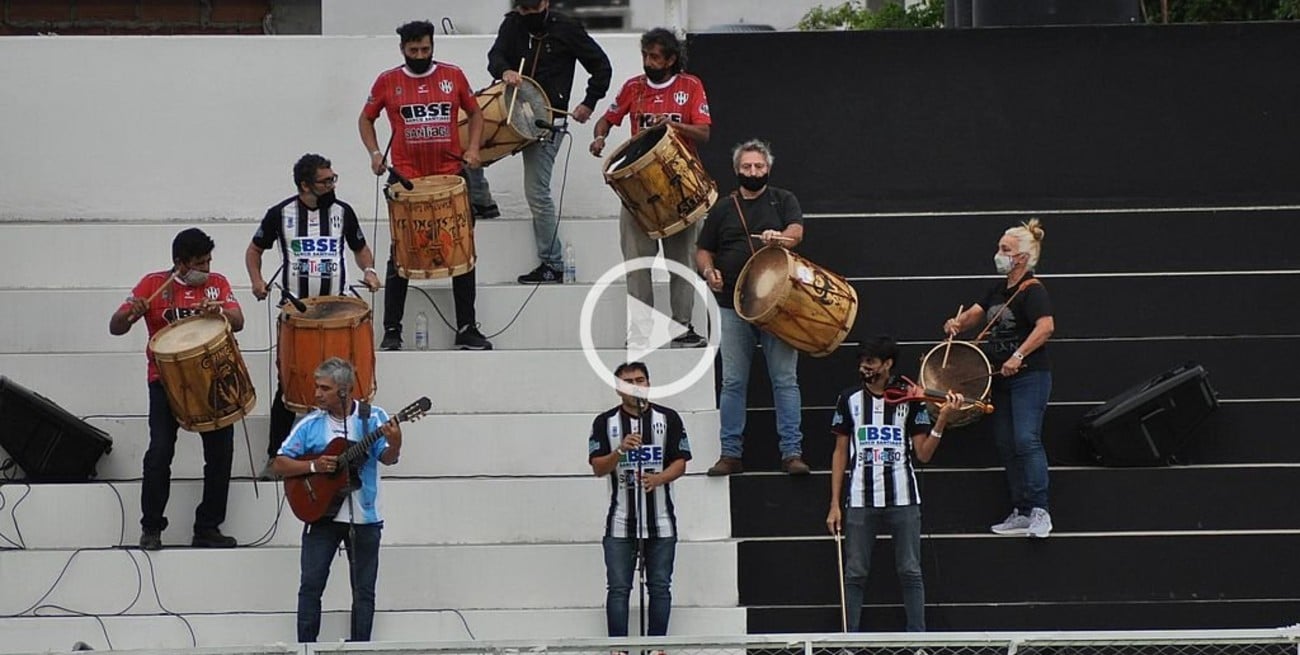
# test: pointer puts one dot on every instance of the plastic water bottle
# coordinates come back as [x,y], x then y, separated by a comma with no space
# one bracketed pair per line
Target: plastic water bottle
[421,331]
[570,264]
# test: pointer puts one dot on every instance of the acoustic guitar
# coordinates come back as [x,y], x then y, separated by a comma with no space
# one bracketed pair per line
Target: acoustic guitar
[317,496]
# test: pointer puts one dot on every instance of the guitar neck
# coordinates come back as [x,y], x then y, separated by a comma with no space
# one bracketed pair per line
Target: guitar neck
[359,449]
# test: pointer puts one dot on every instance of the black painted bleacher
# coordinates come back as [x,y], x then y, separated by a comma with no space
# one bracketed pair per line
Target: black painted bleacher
[1142,278]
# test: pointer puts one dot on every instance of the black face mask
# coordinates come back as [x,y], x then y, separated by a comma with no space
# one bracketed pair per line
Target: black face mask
[419,66]
[751,183]
[657,75]
[323,199]
[535,22]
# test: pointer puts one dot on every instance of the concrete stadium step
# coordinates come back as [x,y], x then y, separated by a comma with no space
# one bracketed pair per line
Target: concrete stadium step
[439,445]
[547,318]
[257,580]
[110,254]
[275,630]
[416,512]
[553,381]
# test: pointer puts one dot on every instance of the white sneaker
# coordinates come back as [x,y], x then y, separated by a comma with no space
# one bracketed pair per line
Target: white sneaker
[1015,523]
[1040,523]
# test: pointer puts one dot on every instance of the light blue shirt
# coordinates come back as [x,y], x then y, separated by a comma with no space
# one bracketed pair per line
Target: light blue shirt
[316,430]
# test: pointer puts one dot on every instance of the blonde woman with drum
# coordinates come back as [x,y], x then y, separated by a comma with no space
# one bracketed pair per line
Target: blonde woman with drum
[1016,315]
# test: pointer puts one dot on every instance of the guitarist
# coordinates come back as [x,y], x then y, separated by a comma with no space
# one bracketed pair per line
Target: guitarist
[875,442]
[358,522]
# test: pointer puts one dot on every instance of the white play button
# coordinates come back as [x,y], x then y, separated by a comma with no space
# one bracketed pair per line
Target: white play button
[648,329]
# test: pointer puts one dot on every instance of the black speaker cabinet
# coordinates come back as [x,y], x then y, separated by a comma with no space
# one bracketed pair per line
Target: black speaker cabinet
[1151,423]
[48,443]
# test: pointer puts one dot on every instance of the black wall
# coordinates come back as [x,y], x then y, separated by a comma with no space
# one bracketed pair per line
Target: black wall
[1012,118]
[1114,136]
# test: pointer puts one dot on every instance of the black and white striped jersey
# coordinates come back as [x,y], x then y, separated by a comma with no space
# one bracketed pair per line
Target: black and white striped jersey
[881,473]
[311,245]
[663,443]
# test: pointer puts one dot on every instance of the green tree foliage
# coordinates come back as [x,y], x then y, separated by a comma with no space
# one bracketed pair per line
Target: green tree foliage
[854,15]
[1218,11]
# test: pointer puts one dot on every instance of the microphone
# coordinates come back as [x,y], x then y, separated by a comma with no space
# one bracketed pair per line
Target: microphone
[394,176]
[549,126]
[293,300]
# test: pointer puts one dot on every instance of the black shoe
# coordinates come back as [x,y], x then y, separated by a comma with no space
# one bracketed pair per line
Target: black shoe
[212,538]
[486,211]
[150,540]
[392,339]
[543,274]
[689,339]
[469,338]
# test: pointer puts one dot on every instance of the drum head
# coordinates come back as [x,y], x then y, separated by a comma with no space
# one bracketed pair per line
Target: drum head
[531,105]
[966,371]
[763,284]
[188,333]
[328,308]
[637,148]
[427,187]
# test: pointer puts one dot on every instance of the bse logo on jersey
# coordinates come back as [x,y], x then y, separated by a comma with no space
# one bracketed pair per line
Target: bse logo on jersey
[314,247]
[648,120]
[880,435]
[648,456]
[433,112]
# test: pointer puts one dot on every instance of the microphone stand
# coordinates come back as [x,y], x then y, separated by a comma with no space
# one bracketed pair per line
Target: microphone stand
[640,513]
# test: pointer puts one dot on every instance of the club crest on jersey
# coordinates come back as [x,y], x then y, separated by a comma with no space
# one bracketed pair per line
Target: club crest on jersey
[681,97]
[212,293]
[445,85]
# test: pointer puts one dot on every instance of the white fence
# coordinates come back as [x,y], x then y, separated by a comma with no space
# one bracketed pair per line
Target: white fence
[1281,641]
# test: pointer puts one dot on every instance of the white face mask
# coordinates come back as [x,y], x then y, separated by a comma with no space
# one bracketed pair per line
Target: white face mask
[1004,263]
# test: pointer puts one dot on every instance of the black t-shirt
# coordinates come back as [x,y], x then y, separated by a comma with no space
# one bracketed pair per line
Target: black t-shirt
[1015,324]
[725,235]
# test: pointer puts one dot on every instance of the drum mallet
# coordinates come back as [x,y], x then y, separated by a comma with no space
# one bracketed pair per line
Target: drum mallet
[171,277]
[510,111]
[949,348]
[839,559]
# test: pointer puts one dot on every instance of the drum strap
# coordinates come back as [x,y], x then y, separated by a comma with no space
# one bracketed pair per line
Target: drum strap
[743,223]
[1021,287]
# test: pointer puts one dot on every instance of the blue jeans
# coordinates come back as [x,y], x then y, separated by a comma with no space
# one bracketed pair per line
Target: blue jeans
[155,488]
[320,541]
[1020,402]
[539,161]
[738,341]
[620,560]
[861,525]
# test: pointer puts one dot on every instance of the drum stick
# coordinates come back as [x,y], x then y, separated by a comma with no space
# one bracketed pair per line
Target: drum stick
[782,237]
[510,111]
[948,348]
[149,301]
[839,559]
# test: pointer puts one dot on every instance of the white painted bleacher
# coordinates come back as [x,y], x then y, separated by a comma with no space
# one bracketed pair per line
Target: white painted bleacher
[493,519]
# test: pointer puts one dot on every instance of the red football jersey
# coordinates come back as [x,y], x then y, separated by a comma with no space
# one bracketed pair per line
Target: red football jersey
[177,302]
[422,112]
[681,97]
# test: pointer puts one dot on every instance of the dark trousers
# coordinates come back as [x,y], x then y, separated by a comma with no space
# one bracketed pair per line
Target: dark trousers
[282,419]
[620,561]
[218,450]
[320,541]
[464,291]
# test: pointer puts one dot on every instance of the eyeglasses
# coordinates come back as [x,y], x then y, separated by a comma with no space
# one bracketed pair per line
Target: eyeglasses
[333,179]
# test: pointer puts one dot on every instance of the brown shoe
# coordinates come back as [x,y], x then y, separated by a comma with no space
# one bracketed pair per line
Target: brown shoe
[795,466]
[726,466]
